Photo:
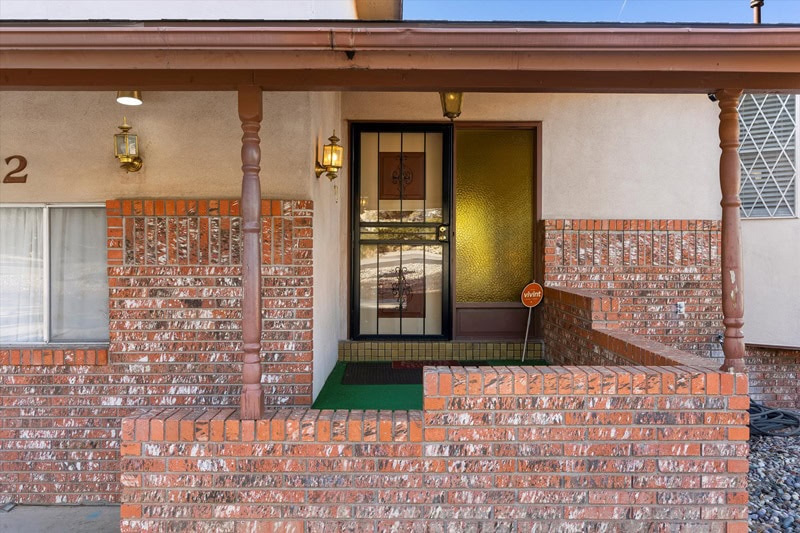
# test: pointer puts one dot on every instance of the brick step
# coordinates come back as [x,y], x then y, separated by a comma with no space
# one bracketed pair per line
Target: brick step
[438,350]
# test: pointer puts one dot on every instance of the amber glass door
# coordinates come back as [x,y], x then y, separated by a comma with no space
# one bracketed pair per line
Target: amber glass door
[494,215]
[401,230]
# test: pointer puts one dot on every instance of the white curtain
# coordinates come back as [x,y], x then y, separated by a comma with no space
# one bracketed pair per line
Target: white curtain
[78,279]
[21,275]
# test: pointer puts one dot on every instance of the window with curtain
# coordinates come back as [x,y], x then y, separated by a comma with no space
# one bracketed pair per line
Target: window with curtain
[53,281]
[769,155]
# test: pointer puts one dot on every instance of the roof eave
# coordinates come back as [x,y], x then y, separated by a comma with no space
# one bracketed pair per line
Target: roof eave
[672,58]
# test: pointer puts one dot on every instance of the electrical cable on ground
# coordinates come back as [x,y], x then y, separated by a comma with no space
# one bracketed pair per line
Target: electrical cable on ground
[768,422]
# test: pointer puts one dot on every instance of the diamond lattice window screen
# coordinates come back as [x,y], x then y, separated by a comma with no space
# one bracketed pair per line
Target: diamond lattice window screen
[768,154]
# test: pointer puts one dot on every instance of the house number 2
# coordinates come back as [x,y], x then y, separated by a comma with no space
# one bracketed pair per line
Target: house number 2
[14,176]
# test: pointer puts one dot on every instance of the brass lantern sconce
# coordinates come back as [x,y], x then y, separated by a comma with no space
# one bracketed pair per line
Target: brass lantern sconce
[451,104]
[126,148]
[331,159]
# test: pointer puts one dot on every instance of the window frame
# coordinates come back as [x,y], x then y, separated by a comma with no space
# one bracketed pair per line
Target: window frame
[796,200]
[45,207]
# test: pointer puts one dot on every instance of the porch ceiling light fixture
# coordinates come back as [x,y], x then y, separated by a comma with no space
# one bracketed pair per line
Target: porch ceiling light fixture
[331,159]
[126,148]
[451,104]
[129,97]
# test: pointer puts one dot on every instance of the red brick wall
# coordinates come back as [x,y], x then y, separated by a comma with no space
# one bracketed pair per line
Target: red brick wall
[498,448]
[175,336]
[59,431]
[581,327]
[175,310]
[774,375]
[46,356]
[649,265]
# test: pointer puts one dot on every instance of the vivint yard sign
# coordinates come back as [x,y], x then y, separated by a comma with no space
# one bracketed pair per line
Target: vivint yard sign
[532,296]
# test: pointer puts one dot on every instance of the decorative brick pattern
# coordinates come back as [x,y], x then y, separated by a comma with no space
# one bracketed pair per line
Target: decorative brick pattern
[632,242]
[649,265]
[53,356]
[175,308]
[774,375]
[437,351]
[503,448]
[175,341]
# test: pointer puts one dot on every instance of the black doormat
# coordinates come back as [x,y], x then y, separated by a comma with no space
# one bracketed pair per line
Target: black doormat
[380,374]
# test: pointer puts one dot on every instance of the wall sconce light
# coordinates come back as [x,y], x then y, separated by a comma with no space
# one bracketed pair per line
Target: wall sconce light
[451,104]
[331,159]
[129,97]
[126,148]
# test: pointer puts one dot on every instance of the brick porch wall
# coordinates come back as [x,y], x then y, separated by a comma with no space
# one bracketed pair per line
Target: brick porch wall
[774,375]
[507,449]
[581,327]
[504,448]
[175,309]
[642,268]
[649,266]
[175,336]
[174,275]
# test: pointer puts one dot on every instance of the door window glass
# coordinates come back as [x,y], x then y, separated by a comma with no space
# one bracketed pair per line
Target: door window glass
[402,237]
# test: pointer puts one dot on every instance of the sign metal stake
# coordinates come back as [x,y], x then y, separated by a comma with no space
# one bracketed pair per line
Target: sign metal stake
[527,330]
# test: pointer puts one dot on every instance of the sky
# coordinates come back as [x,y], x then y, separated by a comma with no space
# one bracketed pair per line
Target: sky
[711,11]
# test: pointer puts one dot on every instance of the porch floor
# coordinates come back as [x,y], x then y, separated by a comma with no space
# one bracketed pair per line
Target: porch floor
[336,395]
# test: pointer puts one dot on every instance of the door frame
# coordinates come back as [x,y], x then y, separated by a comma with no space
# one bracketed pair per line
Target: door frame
[537,237]
[354,289]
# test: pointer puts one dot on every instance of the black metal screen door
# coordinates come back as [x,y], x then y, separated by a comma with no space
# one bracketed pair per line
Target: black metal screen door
[402,176]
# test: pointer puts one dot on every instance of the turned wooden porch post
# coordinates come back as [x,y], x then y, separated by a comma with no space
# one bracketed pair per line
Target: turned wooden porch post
[732,279]
[250,111]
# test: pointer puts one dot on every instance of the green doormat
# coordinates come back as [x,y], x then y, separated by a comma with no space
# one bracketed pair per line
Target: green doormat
[391,396]
[334,395]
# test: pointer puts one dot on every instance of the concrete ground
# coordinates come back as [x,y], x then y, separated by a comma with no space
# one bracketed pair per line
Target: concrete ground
[60,519]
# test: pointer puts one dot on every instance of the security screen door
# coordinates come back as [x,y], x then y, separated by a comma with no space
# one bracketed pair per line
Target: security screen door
[401,230]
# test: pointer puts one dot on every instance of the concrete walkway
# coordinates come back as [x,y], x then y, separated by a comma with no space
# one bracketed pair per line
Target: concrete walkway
[60,519]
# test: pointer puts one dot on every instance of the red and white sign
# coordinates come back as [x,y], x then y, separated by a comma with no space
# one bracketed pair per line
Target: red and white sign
[532,294]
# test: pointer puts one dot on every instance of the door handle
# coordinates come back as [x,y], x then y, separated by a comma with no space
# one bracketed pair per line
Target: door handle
[442,233]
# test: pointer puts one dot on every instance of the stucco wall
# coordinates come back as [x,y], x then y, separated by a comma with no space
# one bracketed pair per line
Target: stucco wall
[177,9]
[190,143]
[772,281]
[641,156]
[330,204]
